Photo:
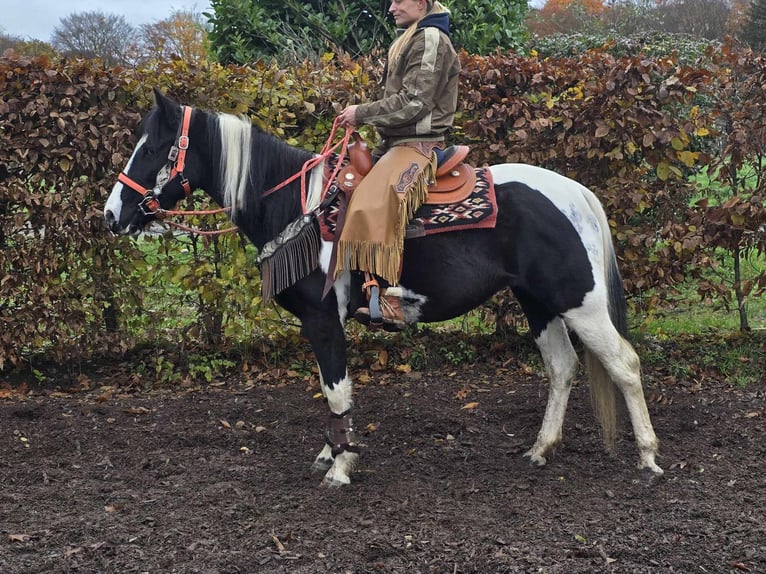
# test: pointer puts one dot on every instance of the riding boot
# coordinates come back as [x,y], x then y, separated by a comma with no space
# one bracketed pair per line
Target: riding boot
[384,310]
[393,317]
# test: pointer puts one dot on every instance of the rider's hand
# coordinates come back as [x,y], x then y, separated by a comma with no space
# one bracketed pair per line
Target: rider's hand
[348,117]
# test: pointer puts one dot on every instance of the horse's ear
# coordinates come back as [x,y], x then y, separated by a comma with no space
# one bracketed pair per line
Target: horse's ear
[167,106]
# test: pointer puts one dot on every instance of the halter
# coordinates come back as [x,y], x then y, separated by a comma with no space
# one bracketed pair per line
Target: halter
[176,162]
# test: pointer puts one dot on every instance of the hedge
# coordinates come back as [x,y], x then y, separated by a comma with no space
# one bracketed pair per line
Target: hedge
[630,128]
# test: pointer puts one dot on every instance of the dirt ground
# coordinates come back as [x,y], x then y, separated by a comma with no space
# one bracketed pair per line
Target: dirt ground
[216,480]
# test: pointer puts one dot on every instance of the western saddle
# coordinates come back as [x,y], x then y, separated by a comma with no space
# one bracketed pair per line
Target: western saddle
[455,180]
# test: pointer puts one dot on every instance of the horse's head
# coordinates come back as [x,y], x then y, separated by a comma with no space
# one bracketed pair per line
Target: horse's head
[158,174]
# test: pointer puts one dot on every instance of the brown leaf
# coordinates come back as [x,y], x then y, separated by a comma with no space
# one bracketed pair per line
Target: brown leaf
[278,544]
[363,379]
[462,393]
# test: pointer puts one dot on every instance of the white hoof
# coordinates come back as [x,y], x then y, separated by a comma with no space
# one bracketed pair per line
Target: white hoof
[646,462]
[334,479]
[333,483]
[534,458]
[651,468]
[340,472]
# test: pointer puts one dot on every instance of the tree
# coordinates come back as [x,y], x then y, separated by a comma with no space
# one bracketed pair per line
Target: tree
[708,19]
[566,16]
[482,26]
[243,31]
[754,32]
[738,17]
[735,220]
[94,35]
[181,36]
[701,18]
[24,47]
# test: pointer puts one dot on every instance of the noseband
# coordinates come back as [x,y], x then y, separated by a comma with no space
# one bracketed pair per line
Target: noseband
[176,162]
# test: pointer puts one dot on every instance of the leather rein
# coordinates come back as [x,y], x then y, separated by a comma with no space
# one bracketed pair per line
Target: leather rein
[176,163]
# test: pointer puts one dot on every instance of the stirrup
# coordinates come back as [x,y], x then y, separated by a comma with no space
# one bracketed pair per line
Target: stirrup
[370,316]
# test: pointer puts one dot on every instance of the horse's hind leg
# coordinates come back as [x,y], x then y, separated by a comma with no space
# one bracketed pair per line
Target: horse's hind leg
[561,365]
[613,359]
[341,451]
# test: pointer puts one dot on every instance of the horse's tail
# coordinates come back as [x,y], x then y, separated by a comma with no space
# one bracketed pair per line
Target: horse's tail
[602,388]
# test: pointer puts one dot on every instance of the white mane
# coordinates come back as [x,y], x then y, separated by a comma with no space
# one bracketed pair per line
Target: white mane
[235,132]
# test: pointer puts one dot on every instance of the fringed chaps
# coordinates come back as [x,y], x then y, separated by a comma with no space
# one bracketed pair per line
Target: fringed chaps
[373,234]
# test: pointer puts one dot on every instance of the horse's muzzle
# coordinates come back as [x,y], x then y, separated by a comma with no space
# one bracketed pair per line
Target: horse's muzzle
[111,221]
[114,226]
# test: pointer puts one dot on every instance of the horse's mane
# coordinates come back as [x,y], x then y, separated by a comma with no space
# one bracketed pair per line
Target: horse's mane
[235,140]
[251,158]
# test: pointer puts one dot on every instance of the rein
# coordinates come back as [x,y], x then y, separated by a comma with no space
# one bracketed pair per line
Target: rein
[311,163]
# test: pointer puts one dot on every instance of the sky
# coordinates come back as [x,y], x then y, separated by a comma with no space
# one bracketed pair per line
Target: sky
[36,19]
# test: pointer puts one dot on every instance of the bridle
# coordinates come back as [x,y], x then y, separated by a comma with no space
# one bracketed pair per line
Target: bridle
[174,167]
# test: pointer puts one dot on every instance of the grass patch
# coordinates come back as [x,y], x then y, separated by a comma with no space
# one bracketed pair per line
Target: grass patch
[687,313]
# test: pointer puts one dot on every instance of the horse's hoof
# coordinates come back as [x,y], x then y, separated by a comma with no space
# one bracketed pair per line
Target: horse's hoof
[321,465]
[647,465]
[535,459]
[333,483]
[650,474]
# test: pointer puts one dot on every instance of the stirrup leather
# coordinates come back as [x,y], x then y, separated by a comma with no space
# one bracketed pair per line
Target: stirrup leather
[371,289]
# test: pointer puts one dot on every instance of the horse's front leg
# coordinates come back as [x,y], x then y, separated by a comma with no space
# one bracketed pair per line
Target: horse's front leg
[341,451]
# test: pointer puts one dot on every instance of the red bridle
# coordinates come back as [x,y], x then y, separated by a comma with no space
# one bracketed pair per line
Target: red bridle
[177,161]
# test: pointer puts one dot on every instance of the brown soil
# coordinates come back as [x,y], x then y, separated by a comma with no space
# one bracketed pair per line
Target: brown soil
[215,480]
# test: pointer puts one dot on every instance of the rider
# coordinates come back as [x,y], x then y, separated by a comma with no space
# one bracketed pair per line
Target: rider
[416,110]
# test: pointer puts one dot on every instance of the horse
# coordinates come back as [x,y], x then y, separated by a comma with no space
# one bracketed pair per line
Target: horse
[551,245]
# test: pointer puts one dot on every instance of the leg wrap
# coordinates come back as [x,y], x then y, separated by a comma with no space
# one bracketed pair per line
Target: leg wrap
[340,433]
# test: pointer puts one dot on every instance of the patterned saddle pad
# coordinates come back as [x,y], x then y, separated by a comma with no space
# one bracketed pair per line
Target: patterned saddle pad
[477,211]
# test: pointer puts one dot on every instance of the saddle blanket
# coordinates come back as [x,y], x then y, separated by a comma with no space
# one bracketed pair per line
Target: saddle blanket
[477,211]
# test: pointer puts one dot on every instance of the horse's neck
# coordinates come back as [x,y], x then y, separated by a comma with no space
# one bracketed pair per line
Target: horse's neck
[265,213]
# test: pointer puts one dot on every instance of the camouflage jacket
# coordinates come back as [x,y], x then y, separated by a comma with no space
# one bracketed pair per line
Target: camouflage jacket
[421,88]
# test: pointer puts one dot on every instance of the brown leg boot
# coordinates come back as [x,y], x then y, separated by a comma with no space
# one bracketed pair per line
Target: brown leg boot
[384,308]
[391,308]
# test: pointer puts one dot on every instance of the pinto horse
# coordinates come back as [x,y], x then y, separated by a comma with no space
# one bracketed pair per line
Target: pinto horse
[551,245]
